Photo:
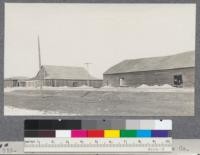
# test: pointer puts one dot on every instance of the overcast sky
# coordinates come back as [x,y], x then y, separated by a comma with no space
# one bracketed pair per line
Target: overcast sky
[102,34]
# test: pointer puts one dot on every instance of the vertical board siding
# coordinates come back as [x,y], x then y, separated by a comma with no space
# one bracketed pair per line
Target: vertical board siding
[151,78]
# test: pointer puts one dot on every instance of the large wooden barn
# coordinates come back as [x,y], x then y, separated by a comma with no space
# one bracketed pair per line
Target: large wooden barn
[59,76]
[176,70]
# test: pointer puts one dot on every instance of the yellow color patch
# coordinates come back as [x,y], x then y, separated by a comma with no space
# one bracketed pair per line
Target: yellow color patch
[111,133]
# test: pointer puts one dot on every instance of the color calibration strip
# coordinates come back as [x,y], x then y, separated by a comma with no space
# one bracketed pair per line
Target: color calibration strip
[98,128]
[97,133]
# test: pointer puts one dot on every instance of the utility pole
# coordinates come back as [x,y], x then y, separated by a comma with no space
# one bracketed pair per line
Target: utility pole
[87,66]
[40,64]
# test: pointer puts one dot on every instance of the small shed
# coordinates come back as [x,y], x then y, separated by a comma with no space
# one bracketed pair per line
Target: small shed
[15,82]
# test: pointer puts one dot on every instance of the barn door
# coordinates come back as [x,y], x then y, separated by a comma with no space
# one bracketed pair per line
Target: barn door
[121,82]
[53,83]
[178,80]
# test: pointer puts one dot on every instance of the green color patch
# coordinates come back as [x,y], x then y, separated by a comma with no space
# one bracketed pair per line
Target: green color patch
[127,133]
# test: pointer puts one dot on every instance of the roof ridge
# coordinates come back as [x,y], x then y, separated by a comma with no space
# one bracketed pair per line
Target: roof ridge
[171,55]
[179,60]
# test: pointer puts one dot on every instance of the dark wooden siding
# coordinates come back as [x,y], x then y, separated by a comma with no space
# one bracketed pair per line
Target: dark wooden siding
[14,83]
[151,77]
[9,83]
[72,83]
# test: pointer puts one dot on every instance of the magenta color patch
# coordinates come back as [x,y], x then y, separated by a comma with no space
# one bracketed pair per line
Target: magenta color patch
[79,133]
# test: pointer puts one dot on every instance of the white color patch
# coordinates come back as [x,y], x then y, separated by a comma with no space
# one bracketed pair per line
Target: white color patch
[163,124]
[63,133]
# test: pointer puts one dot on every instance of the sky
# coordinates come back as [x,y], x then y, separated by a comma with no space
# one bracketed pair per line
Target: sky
[100,34]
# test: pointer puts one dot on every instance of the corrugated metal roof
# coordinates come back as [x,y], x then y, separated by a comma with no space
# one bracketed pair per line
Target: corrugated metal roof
[67,72]
[182,60]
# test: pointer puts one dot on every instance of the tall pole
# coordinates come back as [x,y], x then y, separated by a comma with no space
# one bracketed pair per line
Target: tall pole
[39,53]
[88,79]
[40,64]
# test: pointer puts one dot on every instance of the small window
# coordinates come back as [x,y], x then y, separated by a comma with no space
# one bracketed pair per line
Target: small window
[178,80]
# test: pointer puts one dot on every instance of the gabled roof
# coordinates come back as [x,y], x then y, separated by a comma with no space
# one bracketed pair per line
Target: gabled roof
[19,78]
[66,72]
[182,60]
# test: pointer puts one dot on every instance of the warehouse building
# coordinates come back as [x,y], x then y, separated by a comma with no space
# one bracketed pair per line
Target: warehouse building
[60,76]
[176,70]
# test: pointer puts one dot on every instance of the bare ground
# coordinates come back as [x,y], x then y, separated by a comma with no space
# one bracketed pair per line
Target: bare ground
[87,102]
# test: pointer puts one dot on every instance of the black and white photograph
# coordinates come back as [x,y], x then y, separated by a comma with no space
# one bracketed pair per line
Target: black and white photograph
[73,59]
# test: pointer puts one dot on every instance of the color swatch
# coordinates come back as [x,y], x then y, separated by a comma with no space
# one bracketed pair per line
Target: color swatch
[97,124]
[98,128]
[98,133]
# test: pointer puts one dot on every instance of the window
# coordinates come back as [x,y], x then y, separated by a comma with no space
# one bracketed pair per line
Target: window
[75,84]
[178,80]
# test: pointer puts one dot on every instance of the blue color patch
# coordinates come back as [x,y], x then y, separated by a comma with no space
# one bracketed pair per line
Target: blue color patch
[143,133]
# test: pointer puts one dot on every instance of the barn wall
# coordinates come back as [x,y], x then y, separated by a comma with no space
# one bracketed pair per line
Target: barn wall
[14,83]
[11,83]
[21,83]
[151,77]
[33,83]
[63,82]
[96,83]
[8,83]
[72,83]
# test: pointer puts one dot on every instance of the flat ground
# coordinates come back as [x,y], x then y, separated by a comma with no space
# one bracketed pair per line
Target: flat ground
[102,102]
